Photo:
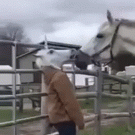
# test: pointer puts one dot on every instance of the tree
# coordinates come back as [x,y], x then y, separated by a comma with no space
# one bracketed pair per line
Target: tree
[14,31]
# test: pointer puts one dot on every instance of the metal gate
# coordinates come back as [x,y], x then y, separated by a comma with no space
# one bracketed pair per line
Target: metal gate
[98,94]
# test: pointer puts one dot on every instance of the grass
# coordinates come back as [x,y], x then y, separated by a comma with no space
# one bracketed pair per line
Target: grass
[107,103]
[87,132]
[6,114]
[27,113]
[110,131]
[87,104]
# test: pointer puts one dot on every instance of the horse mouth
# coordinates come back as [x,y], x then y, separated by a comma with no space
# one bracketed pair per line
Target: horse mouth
[81,60]
[100,60]
[81,64]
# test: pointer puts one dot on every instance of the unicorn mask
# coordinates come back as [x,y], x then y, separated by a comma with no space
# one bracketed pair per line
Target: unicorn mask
[51,57]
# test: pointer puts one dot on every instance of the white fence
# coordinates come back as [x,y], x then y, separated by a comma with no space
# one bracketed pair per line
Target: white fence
[97,95]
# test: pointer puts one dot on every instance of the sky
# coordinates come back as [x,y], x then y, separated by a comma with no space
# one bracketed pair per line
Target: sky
[66,21]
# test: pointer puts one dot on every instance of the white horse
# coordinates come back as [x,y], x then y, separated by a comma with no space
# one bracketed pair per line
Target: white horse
[114,44]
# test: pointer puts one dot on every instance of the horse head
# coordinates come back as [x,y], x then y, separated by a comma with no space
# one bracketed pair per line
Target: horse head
[105,46]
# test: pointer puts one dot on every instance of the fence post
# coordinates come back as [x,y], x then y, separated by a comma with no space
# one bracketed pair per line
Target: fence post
[14,86]
[98,86]
[73,75]
[130,103]
[46,129]
[87,84]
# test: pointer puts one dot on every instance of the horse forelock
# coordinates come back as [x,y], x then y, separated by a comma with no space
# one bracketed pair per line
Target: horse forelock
[107,25]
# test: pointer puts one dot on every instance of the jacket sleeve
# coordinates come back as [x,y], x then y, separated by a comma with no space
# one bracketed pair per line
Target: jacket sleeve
[65,91]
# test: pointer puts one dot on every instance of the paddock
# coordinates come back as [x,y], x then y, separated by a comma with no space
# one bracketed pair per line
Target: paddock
[97,95]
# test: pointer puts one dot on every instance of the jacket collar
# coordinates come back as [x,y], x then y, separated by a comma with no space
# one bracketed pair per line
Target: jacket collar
[49,72]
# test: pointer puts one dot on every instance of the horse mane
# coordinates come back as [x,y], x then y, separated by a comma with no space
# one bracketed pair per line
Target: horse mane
[125,34]
[126,22]
[129,23]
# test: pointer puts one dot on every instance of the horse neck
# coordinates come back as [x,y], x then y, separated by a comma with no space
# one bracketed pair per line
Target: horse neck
[125,40]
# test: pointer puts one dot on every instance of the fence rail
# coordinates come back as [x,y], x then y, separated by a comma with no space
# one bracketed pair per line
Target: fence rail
[20,121]
[20,71]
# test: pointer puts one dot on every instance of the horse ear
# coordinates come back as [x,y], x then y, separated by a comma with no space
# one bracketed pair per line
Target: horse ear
[109,17]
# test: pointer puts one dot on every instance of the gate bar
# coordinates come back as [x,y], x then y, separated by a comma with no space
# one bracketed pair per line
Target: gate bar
[14,86]
[20,71]
[130,103]
[45,128]
[85,72]
[79,95]
[19,121]
[98,100]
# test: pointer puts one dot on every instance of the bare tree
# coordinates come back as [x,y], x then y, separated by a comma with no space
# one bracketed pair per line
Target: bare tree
[14,31]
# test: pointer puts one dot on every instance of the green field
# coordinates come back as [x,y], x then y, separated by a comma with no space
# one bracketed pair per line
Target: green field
[114,130]
[115,105]
[6,114]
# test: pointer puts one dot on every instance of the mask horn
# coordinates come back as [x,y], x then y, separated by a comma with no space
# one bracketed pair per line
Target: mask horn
[109,17]
[46,44]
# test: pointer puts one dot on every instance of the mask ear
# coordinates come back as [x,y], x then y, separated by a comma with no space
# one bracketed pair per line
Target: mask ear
[109,17]
[46,43]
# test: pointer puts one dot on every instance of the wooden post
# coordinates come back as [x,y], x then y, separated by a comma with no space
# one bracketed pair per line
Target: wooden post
[120,92]
[46,129]
[98,86]
[87,84]
[21,99]
[130,103]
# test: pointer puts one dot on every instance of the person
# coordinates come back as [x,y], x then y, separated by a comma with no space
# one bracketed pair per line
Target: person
[63,109]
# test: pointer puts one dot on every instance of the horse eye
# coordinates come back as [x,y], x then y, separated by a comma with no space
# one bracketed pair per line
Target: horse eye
[51,51]
[100,36]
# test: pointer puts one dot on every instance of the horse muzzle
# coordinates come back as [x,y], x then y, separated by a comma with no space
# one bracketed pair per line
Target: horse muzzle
[81,60]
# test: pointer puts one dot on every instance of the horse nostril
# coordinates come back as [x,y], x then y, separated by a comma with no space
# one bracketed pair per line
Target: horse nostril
[72,56]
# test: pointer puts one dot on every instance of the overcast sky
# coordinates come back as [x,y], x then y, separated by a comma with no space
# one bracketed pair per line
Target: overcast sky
[68,21]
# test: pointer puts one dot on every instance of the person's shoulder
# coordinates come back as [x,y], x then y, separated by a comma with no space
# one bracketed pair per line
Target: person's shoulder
[60,74]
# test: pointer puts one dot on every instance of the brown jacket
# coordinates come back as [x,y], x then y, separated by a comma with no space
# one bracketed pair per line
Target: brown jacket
[62,103]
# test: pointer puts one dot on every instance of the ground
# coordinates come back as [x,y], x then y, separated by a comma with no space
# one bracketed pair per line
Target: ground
[29,128]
